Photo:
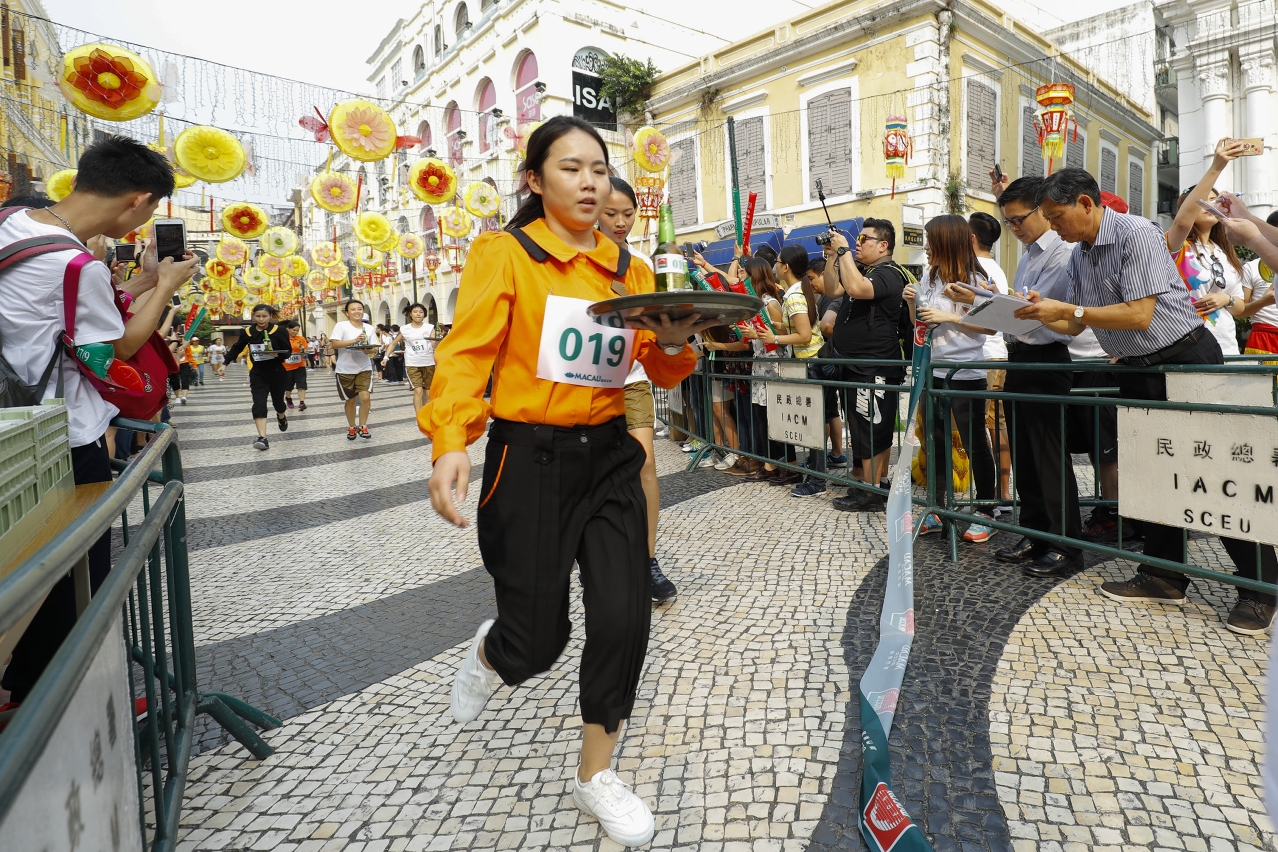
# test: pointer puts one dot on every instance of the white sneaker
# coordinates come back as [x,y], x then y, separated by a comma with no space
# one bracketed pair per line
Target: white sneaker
[728,461]
[474,683]
[663,432]
[623,815]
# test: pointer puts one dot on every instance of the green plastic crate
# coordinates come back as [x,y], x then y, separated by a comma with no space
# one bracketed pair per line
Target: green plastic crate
[52,432]
[18,457]
[19,496]
[53,472]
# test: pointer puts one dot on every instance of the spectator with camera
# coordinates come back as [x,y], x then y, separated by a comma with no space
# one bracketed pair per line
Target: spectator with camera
[867,327]
[1124,284]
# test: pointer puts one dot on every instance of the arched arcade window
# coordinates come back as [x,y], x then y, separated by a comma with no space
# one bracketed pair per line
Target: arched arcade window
[439,40]
[419,63]
[485,100]
[452,124]
[462,19]
[527,98]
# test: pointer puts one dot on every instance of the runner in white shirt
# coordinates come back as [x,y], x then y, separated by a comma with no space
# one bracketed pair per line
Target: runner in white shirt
[217,358]
[354,368]
[616,221]
[418,338]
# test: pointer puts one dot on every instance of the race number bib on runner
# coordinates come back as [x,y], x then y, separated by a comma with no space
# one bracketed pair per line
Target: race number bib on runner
[295,358]
[417,347]
[257,351]
[577,350]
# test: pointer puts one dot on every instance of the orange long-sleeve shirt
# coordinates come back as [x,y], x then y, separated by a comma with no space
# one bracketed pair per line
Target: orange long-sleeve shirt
[500,309]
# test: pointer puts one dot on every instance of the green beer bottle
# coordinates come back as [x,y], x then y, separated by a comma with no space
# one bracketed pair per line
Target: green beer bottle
[668,262]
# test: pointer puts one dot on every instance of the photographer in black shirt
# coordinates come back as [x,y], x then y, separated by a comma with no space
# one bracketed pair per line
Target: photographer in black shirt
[868,327]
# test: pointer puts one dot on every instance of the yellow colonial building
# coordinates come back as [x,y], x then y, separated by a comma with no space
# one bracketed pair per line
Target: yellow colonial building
[40,133]
[811,97]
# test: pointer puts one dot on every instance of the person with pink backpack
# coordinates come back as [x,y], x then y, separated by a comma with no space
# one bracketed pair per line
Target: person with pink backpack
[61,321]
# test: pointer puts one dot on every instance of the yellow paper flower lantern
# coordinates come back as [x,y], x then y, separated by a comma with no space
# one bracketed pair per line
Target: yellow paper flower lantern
[455,222]
[255,279]
[280,242]
[271,265]
[181,180]
[297,266]
[109,82]
[238,294]
[209,154]
[369,257]
[223,285]
[433,181]
[336,272]
[362,130]
[317,280]
[652,151]
[244,220]
[411,246]
[482,199]
[60,184]
[389,244]
[232,250]
[334,192]
[218,270]
[326,254]
[372,228]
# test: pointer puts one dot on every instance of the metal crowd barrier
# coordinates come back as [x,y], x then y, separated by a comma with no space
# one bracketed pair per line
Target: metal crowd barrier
[699,419]
[146,601]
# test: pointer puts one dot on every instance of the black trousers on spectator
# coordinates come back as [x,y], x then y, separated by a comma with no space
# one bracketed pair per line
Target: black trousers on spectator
[552,496]
[273,382]
[56,616]
[1042,472]
[969,418]
[1167,542]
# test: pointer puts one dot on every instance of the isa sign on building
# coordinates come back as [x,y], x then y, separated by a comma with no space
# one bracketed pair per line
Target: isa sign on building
[796,414]
[1215,473]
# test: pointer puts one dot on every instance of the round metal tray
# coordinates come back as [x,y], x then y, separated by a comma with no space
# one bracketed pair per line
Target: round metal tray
[722,308]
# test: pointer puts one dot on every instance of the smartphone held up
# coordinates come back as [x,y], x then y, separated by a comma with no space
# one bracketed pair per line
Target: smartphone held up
[170,239]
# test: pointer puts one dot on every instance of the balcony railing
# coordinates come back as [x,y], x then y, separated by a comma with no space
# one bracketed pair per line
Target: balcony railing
[1169,152]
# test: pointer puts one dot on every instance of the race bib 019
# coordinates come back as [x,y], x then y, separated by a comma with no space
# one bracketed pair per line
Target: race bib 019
[577,350]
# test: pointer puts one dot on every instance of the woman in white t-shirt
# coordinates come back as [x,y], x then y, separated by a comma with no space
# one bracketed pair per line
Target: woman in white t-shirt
[418,338]
[1205,256]
[1259,293]
[616,220]
[217,358]
[952,260]
[354,369]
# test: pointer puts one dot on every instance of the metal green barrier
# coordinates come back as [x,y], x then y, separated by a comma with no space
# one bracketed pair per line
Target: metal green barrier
[146,598]
[698,393]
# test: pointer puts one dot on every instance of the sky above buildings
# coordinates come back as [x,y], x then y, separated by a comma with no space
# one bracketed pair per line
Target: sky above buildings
[326,42]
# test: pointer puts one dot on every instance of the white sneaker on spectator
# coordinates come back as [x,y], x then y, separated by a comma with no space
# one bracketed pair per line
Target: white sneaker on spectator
[663,432]
[624,816]
[710,460]
[728,461]
[475,682]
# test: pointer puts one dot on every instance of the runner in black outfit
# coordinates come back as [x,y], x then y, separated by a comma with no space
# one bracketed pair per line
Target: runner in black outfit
[266,370]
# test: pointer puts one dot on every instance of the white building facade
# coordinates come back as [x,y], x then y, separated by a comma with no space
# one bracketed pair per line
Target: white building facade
[1224,69]
[465,76]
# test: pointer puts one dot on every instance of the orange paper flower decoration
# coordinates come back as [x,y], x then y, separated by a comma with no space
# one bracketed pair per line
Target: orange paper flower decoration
[411,246]
[336,272]
[244,220]
[109,82]
[60,184]
[333,192]
[433,181]
[271,265]
[232,251]
[652,151]
[362,130]
[326,254]
[317,280]
[218,270]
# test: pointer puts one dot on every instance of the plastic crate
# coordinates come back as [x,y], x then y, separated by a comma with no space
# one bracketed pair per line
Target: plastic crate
[19,496]
[52,432]
[53,471]
[18,456]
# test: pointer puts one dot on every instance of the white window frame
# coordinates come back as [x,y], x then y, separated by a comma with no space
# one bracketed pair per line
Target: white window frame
[1144,189]
[1118,161]
[697,174]
[852,84]
[972,74]
[762,203]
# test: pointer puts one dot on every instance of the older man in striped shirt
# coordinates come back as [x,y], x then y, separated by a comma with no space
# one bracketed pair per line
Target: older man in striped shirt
[1124,286]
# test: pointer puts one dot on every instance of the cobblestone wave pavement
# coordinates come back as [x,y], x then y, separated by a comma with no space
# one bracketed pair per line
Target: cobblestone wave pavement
[1034,715]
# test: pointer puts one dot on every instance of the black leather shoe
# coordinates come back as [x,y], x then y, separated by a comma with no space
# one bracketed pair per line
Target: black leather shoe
[1053,563]
[1026,548]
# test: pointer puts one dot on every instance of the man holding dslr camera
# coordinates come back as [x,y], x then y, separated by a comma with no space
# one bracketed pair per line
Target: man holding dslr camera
[867,326]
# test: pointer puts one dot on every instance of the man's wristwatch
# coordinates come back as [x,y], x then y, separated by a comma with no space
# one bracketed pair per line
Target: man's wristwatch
[673,349]
[842,250]
[1078,314]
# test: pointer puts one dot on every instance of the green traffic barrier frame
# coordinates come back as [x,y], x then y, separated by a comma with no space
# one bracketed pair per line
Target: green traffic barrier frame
[147,595]
[1093,397]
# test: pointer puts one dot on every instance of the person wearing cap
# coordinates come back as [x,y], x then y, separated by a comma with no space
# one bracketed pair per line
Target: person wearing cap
[197,352]
[1124,284]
